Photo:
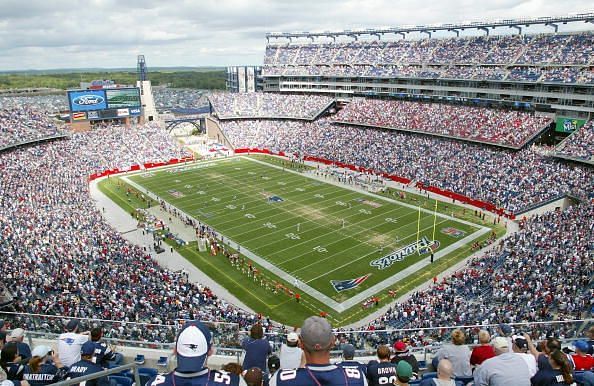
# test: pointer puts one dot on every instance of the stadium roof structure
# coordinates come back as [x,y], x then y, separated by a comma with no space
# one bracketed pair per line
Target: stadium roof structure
[550,21]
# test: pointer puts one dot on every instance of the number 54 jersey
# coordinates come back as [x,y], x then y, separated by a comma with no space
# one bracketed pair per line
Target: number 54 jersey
[319,375]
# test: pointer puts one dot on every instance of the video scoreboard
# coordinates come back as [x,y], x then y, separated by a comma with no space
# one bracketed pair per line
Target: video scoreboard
[110,103]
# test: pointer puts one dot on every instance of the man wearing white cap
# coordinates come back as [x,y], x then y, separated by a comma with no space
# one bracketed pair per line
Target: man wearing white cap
[317,340]
[18,335]
[504,369]
[192,348]
[290,354]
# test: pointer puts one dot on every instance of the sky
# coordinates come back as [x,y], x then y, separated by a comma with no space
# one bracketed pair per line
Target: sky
[53,34]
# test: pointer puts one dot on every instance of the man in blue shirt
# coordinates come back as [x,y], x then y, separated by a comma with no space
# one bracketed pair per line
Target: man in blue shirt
[86,366]
[317,340]
[348,354]
[103,353]
[192,348]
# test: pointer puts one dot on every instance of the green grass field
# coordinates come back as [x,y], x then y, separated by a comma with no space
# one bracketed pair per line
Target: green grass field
[307,233]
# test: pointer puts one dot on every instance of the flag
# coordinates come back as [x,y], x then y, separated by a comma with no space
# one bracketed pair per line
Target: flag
[343,285]
[79,116]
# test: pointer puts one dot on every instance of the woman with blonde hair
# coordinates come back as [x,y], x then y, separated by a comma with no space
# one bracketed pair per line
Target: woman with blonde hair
[458,353]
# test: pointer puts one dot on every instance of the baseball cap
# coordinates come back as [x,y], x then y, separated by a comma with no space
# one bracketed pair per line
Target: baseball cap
[292,337]
[404,370]
[505,328]
[40,351]
[273,362]
[348,351]
[499,342]
[520,342]
[192,346]
[316,334]
[400,346]
[582,345]
[17,333]
[88,348]
[72,325]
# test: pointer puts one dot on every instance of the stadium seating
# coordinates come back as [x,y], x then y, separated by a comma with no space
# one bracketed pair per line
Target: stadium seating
[260,105]
[514,180]
[517,58]
[503,127]
[580,145]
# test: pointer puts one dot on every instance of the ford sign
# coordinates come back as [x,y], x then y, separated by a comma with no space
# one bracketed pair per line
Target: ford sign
[88,100]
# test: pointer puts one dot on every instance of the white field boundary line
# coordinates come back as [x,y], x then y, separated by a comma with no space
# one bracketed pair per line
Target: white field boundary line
[339,307]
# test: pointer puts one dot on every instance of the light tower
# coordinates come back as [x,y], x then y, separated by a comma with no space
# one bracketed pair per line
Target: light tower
[149,112]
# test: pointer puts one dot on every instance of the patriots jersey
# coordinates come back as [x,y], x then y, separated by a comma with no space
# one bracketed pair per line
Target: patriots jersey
[84,367]
[203,377]
[103,354]
[46,375]
[318,375]
[354,365]
[382,373]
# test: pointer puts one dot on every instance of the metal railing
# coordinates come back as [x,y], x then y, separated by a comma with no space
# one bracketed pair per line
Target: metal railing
[104,373]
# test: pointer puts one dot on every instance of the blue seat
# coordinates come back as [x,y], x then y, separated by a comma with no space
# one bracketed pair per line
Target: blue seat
[139,359]
[163,361]
[148,371]
[432,374]
[117,380]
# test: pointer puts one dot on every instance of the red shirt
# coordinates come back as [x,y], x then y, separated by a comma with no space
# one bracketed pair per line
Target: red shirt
[481,354]
[583,362]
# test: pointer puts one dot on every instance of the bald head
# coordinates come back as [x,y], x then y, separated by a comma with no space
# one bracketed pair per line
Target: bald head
[445,370]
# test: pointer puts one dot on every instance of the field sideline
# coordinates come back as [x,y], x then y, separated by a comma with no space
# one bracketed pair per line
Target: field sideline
[312,232]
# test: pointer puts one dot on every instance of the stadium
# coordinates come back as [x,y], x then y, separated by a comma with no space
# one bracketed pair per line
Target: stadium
[415,194]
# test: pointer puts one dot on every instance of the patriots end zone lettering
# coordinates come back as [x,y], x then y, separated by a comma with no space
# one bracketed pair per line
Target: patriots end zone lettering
[421,246]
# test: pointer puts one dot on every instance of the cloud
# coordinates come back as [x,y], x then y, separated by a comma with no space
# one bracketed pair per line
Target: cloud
[110,33]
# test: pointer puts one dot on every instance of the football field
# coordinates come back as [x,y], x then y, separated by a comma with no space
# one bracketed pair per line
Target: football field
[338,244]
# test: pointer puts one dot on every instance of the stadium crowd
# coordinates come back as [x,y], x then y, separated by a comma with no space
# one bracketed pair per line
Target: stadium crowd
[517,282]
[513,180]
[22,123]
[539,58]
[70,261]
[579,145]
[261,105]
[503,127]
[178,98]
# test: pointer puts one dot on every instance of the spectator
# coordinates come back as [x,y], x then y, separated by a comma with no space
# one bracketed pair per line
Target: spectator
[384,371]
[559,373]
[403,373]
[10,361]
[316,341]
[503,369]
[590,335]
[445,375]
[348,360]
[581,359]
[192,348]
[520,348]
[483,351]
[18,335]
[402,353]
[70,343]
[44,367]
[233,368]
[505,331]
[256,348]
[254,377]
[273,365]
[458,353]
[290,354]
[103,353]
[85,366]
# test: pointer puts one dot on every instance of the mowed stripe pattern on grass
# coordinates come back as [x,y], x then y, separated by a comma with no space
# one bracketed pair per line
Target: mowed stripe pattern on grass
[317,233]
